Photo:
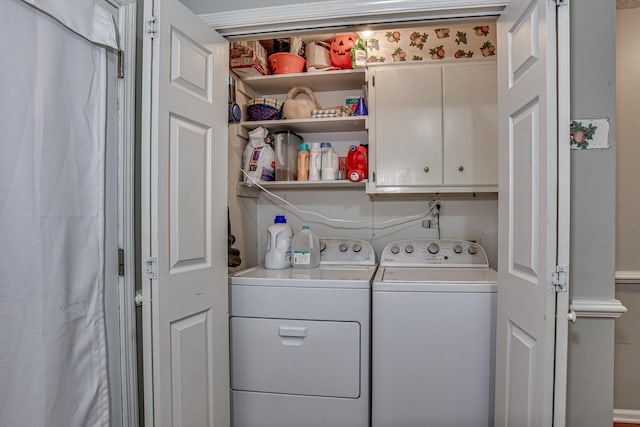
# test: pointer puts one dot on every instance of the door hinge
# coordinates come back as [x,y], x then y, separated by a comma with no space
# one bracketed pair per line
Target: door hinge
[121,64]
[120,262]
[562,2]
[151,27]
[151,268]
[559,278]
[373,176]
[373,80]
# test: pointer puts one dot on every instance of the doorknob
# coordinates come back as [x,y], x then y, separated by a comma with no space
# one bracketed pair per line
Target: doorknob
[426,169]
[460,168]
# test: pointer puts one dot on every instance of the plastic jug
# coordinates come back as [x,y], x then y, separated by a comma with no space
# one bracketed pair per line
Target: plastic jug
[303,162]
[306,249]
[315,161]
[357,163]
[329,162]
[279,239]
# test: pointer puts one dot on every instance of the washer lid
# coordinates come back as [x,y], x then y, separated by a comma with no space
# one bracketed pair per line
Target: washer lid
[429,279]
[321,277]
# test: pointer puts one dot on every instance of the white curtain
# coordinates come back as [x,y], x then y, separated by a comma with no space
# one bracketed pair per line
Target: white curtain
[52,137]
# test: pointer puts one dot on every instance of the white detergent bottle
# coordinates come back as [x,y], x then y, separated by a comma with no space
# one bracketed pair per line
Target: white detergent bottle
[306,249]
[315,161]
[279,237]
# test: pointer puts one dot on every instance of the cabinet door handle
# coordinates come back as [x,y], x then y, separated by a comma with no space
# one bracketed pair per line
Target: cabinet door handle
[460,168]
[426,169]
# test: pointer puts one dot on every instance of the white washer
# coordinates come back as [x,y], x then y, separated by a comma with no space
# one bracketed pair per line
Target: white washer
[300,341]
[433,335]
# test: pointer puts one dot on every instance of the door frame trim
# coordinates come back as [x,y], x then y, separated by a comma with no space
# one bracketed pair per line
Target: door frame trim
[344,13]
[563,110]
[126,214]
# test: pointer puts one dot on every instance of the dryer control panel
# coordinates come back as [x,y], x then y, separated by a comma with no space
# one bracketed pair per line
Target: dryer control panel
[346,252]
[433,253]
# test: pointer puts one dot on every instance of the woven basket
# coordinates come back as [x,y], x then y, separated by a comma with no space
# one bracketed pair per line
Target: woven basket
[299,108]
[264,109]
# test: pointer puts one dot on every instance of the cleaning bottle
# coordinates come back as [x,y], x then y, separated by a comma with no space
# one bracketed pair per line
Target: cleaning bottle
[303,162]
[306,249]
[279,239]
[315,161]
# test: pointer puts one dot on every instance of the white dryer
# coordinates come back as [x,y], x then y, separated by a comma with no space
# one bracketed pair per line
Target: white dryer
[433,335]
[300,341]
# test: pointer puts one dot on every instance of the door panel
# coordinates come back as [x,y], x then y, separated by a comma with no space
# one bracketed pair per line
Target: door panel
[192,370]
[527,127]
[189,175]
[185,308]
[524,192]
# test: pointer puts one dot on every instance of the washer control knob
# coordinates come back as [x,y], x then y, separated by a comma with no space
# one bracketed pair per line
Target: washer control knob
[343,247]
[395,249]
[433,248]
[473,250]
[457,249]
[408,249]
[323,245]
[356,247]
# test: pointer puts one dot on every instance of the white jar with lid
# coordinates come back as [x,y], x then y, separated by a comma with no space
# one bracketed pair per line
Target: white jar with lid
[315,161]
[329,162]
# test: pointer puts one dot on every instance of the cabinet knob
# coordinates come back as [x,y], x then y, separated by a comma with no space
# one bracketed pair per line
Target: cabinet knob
[460,168]
[426,169]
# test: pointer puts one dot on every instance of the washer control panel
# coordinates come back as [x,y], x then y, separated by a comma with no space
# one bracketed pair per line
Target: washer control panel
[346,252]
[433,253]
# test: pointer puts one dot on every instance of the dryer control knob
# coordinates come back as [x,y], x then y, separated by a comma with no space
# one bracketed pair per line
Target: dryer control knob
[472,250]
[343,247]
[433,248]
[357,248]
[395,249]
[457,249]
[408,249]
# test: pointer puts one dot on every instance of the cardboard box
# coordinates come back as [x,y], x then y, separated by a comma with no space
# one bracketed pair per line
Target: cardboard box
[248,58]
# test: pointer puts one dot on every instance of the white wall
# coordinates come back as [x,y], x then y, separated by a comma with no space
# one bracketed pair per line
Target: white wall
[628,123]
[462,217]
[627,339]
[593,205]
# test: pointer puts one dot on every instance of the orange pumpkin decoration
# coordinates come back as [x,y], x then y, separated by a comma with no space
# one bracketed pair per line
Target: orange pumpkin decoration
[341,46]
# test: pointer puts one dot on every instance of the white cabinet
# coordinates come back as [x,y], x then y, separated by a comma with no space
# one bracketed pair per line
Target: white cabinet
[406,125]
[433,128]
[470,120]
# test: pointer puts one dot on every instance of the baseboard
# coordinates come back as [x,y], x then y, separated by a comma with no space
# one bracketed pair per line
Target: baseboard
[630,416]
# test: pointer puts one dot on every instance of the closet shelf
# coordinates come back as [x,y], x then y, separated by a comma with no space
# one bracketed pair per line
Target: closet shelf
[317,81]
[336,124]
[247,190]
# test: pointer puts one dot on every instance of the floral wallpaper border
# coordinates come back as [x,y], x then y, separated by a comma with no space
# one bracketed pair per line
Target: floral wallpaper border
[439,42]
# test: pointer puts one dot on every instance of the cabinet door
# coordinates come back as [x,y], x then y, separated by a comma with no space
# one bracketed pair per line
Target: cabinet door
[407,125]
[470,124]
